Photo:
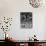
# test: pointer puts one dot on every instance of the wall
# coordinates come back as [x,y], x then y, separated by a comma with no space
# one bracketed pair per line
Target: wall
[12,8]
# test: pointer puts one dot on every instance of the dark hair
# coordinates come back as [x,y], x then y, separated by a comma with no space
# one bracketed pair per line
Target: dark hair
[34,35]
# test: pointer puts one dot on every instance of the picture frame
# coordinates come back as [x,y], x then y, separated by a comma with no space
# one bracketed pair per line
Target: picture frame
[26,19]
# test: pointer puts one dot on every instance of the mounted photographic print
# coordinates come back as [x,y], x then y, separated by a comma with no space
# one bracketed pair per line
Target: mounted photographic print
[26,19]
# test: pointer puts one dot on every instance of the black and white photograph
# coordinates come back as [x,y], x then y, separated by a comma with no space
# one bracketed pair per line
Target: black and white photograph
[26,19]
